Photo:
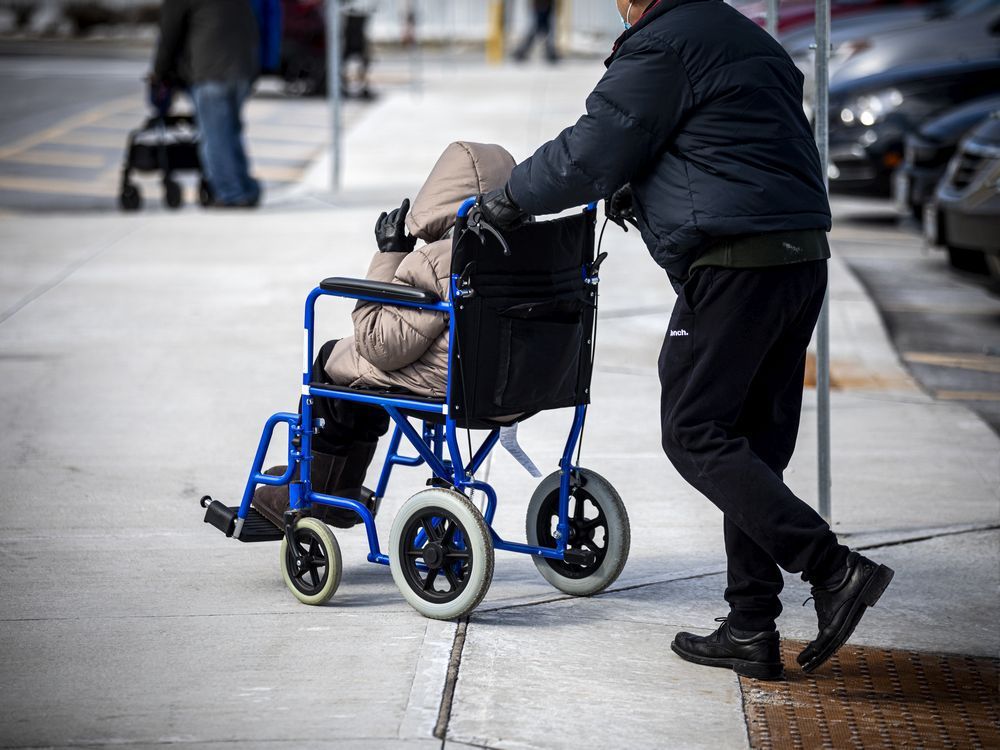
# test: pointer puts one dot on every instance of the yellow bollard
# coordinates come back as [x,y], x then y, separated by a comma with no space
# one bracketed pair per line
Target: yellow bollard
[495,35]
[564,24]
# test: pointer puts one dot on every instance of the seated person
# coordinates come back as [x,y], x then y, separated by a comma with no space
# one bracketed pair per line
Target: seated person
[398,348]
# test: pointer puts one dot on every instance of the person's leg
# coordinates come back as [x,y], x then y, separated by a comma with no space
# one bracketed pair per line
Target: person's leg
[770,422]
[547,29]
[251,187]
[213,102]
[723,327]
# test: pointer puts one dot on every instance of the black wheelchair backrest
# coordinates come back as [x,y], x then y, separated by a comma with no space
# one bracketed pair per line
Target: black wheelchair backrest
[524,318]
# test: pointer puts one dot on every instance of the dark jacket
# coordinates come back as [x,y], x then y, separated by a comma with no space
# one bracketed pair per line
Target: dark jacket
[701,110]
[207,40]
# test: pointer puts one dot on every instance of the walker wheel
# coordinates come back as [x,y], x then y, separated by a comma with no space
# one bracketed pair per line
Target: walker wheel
[598,524]
[317,579]
[172,195]
[441,554]
[204,193]
[130,199]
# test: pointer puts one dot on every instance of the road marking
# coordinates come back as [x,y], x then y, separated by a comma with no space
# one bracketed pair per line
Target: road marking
[94,140]
[57,159]
[967,395]
[71,123]
[981,362]
[940,309]
[276,173]
[294,135]
[54,185]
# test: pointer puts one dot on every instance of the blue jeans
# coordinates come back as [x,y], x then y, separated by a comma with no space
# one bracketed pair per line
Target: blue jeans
[223,159]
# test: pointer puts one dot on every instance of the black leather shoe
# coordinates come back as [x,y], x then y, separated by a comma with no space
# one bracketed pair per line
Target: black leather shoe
[840,607]
[754,655]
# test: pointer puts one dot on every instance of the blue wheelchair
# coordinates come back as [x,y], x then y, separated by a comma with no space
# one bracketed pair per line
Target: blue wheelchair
[522,314]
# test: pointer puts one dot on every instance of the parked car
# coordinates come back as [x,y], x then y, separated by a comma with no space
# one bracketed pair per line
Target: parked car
[928,151]
[796,14]
[870,116]
[965,214]
[881,40]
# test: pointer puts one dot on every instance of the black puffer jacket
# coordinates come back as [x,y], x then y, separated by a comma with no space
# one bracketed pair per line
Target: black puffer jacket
[701,110]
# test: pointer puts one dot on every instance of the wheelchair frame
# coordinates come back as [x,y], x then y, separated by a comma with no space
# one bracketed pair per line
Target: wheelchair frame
[429,443]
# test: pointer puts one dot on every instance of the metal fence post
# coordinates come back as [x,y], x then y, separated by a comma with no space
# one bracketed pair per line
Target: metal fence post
[334,39]
[772,18]
[822,119]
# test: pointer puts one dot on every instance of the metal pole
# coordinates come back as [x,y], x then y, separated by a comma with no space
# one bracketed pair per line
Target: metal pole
[334,39]
[772,18]
[822,115]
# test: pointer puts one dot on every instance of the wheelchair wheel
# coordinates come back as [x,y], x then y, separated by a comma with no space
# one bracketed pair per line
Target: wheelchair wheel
[598,524]
[318,578]
[441,554]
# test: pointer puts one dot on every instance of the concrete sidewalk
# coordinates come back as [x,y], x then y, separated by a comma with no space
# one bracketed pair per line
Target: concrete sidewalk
[139,357]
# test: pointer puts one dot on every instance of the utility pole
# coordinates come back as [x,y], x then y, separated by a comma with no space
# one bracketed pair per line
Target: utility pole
[772,18]
[822,118]
[334,40]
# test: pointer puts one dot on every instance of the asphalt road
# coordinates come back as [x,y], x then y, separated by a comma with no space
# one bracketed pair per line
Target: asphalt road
[69,107]
[945,324]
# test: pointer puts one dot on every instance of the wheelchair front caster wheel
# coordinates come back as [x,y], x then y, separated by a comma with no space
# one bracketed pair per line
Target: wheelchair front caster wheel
[598,525]
[441,554]
[314,575]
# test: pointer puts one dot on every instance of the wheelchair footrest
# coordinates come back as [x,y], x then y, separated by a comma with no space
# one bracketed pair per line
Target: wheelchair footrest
[580,557]
[255,527]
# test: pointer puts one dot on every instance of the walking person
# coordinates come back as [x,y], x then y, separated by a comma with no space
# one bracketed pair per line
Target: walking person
[212,47]
[697,132]
[543,25]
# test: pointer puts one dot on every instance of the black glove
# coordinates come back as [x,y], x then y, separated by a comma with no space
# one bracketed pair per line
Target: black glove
[390,230]
[620,208]
[500,210]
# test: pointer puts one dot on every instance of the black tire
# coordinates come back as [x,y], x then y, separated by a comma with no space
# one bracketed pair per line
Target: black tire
[964,259]
[433,527]
[598,523]
[205,198]
[130,199]
[319,578]
[172,194]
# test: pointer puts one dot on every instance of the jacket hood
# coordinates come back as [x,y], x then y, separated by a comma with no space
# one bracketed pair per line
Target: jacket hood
[462,171]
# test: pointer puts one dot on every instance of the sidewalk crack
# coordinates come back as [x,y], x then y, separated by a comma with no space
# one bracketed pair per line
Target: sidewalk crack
[451,680]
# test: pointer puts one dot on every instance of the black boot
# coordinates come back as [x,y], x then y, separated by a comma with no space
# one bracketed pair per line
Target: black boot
[272,501]
[359,458]
[840,606]
[749,653]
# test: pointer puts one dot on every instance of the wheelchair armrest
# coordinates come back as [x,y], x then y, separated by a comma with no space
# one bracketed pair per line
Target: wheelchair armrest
[380,289]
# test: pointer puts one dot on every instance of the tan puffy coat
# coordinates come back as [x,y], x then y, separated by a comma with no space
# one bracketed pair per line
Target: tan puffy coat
[401,347]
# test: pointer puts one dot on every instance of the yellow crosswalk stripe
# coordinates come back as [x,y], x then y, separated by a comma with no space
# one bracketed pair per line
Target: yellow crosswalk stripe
[56,159]
[980,362]
[86,118]
[967,395]
[55,185]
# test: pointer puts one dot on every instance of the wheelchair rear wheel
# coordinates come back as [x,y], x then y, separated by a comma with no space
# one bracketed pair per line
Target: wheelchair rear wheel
[441,554]
[317,579]
[598,524]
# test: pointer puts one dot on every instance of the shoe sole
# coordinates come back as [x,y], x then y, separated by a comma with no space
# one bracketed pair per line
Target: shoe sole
[869,595]
[742,667]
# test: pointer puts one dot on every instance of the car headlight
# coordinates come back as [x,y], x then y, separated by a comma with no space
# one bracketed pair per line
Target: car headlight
[871,108]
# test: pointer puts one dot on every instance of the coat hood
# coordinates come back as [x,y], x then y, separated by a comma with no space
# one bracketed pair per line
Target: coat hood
[463,170]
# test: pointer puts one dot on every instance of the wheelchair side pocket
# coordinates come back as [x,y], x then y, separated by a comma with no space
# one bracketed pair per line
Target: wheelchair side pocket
[539,355]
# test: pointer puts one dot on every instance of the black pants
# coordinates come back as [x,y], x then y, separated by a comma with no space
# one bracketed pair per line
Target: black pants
[731,369]
[347,423]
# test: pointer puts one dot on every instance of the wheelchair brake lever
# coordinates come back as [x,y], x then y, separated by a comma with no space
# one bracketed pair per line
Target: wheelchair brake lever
[596,265]
[477,225]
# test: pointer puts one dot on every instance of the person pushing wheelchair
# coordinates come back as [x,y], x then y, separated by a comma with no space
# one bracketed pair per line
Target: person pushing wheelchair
[393,348]
[697,136]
